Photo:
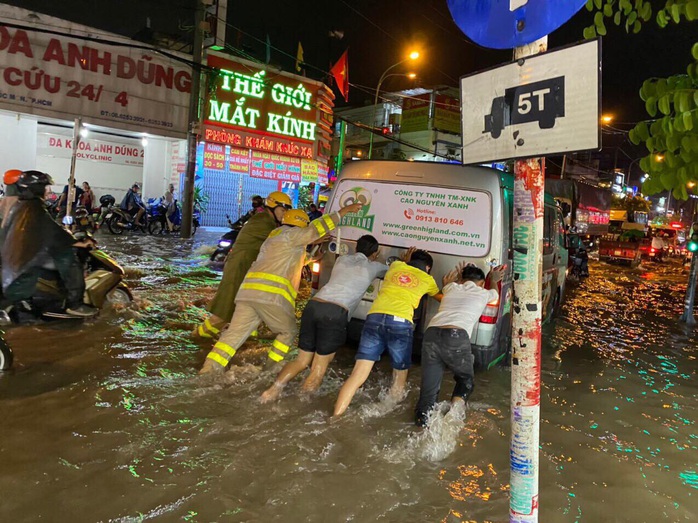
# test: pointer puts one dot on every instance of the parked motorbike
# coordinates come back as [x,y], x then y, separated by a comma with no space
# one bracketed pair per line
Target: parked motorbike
[228,239]
[83,221]
[158,219]
[118,221]
[103,284]
[99,215]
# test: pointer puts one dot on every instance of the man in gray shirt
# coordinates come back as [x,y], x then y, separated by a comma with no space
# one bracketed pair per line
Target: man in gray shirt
[326,316]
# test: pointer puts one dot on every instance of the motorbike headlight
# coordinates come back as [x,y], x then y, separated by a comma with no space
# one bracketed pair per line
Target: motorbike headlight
[224,244]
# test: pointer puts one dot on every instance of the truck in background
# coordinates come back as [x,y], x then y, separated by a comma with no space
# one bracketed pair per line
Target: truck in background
[626,237]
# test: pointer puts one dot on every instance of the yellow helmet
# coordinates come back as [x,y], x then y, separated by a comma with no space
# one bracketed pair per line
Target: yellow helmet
[277,198]
[296,217]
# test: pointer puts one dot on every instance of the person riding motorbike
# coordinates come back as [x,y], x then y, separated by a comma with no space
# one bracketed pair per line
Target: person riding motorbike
[32,243]
[239,260]
[133,204]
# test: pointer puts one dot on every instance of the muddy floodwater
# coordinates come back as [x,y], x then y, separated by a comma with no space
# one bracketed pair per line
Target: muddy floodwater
[108,421]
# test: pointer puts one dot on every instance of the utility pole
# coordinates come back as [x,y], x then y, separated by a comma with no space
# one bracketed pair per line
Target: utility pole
[70,197]
[692,245]
[529,208]
[194,119]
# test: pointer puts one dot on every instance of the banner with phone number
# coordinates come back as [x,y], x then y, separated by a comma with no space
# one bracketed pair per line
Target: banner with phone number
[442,220]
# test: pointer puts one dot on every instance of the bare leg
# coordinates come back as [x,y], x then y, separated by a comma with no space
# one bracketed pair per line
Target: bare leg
[317,372]
[397,390]
[358,376]
[290,371]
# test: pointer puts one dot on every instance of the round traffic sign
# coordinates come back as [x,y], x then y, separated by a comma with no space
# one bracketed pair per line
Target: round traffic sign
[505,24]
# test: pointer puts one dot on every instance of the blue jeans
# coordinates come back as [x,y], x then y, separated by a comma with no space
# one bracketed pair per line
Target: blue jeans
[384,332]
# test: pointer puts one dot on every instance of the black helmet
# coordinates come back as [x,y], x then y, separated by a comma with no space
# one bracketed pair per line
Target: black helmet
[32,184]
[106,200]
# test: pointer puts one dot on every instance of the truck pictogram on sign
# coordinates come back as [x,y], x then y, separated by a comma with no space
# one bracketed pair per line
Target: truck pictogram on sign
[540,102]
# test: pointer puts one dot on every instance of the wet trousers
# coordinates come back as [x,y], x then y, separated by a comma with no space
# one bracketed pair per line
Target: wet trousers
[444,348]
[69,269]
[248,315]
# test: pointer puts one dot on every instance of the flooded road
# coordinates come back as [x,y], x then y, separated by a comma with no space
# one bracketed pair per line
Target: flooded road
[108,421]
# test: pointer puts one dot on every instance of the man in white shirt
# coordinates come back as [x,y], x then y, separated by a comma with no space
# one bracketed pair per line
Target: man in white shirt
[446,342]
[326,316]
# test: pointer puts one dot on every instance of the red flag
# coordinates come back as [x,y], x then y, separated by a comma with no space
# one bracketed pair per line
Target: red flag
[340,72]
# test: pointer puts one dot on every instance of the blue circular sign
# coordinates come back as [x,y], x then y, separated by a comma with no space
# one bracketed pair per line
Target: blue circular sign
[505,24]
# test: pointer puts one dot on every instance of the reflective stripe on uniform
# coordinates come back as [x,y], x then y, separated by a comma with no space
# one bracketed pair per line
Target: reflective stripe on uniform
[203,333]
[328,222]
[217,358]
[274,356]
[225,348]
[320,226]
[275,232]
[268,288]
[274,278]
[281,346]
[210,327]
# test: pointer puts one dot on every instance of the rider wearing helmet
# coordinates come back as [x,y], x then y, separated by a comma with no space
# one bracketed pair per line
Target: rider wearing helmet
[241,256]
[34,243]
[268,292]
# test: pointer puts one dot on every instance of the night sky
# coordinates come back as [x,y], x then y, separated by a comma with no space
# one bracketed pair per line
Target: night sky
[378,33]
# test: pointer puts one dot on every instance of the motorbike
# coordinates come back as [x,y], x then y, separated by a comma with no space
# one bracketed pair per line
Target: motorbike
[99,215]
[158,218]
[228,239]
[118,221]
[83,221]
[103,284]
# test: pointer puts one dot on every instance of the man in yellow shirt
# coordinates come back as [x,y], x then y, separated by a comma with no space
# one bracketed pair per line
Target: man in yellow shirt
[389,326]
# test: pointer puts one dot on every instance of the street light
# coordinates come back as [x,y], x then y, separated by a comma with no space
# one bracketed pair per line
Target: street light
[414,55]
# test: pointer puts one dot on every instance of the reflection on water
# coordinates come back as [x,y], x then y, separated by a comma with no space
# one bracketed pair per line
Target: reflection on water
[109,422]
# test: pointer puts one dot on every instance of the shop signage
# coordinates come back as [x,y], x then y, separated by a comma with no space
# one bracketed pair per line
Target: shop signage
[214,156]
[60,146]
[447,114]
[110,85]
[309,171]
[239,161]
[275,167]
[447,221]
[260,142]
[251,98]
[415,113]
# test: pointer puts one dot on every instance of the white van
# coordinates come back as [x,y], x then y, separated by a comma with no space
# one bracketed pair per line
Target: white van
[454,212]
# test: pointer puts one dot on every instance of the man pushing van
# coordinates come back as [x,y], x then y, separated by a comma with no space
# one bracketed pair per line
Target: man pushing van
[268,292]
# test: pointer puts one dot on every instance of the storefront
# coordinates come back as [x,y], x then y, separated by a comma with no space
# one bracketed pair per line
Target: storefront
[133,103]
[264,130]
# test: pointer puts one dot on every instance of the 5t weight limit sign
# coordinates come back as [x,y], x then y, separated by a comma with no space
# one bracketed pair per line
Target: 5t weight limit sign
[540,102]
[541,105]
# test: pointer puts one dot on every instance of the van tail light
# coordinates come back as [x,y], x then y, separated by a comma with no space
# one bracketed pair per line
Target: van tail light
[315,283]
[491,312]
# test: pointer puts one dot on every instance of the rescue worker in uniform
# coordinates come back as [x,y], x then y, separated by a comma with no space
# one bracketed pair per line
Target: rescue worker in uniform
[238,262]
[268,292]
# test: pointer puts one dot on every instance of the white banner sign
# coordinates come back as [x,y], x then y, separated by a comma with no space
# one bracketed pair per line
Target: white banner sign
[62,77]
[88,149]
[447,221]
[541,105]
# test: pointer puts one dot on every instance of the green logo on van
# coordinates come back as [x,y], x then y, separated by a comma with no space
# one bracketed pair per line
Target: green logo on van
[361,219]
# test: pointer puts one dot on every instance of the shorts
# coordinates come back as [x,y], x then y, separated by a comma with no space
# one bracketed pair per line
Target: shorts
[323,327]
[386,332]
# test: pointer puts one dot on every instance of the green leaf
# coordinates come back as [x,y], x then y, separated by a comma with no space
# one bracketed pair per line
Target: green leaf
[645,163]
[662,20]
[597,3]
[608,10]
[692,10]
[668,180]
[695,98]
[675,13]
[678,123]
[590,5]
[670,159]
[632,17]
[649,143]
[637,27]
[646,13]
[692,71]
[651,106]
[686,143]
[599,24]
[662,87]
[616,18]
[688,121]
[589,33]
[672,143]
[664,105]
[682,175]
[642,131]
[626,6]
[694,51]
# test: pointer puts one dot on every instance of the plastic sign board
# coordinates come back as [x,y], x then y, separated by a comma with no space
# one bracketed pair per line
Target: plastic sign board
[506,24]
[546,104]
[438,219]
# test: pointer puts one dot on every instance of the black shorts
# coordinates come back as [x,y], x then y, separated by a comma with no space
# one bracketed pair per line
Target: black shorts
[323,327]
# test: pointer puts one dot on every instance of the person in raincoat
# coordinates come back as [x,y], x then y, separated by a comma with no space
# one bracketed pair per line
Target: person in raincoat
[241,256]
[268,292]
